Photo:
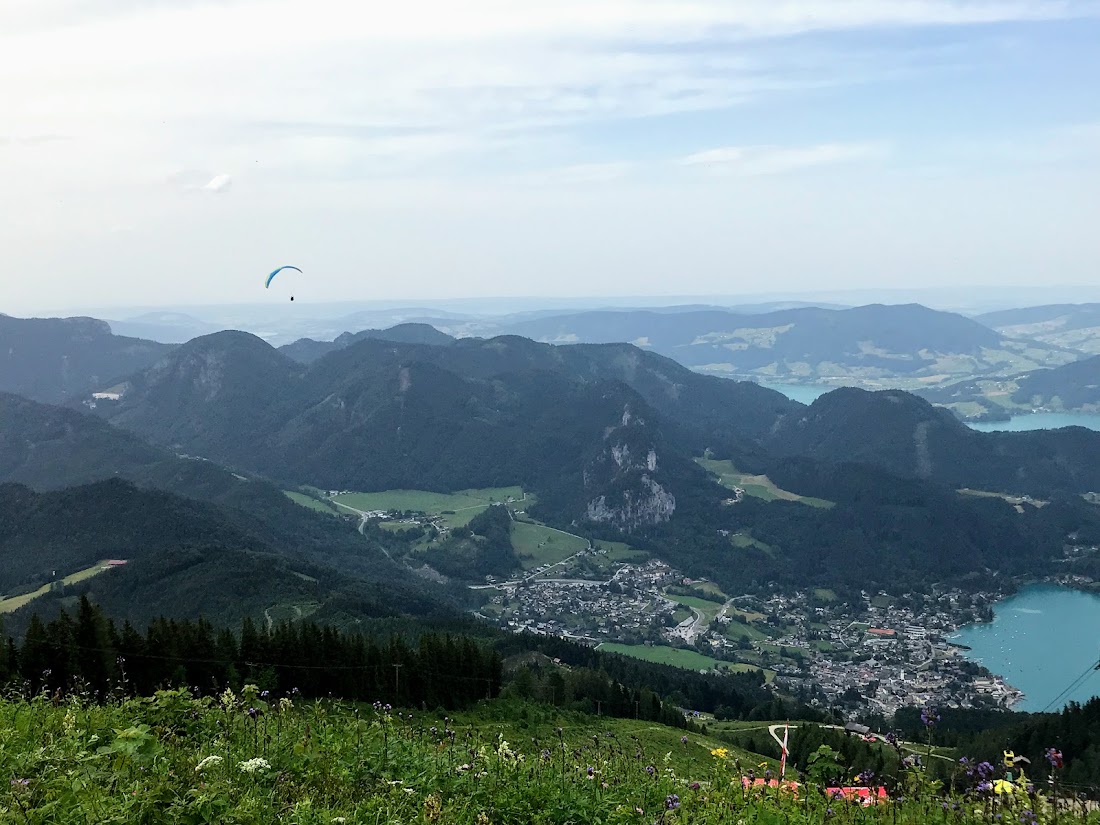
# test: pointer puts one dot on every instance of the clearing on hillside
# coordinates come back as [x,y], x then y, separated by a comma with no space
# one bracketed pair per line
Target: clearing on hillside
[457,509]
[16,602]
[756,486]
[312,503]
[536,544]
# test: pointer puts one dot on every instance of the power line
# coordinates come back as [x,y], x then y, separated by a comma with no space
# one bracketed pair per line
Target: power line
[1076,683]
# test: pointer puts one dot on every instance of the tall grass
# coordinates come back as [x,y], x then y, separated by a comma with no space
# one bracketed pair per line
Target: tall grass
[252,758]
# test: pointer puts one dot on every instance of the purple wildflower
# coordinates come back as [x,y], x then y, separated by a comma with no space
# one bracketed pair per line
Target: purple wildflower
[929,717]
[672,802]
[650,770]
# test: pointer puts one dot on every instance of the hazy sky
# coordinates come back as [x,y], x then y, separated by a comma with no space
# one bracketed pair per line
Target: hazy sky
[174,151]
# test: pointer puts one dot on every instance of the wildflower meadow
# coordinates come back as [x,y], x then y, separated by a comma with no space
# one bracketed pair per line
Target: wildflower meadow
[251,757]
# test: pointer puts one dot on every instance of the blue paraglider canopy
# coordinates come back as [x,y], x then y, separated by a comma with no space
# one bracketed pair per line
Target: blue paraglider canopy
[271,277]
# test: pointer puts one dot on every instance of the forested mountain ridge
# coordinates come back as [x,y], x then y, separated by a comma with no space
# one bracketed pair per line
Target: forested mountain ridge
[56,359]
[580,424]
[909,437]
[868,343]
[605,436]
[185,558]
[51,448]
[306,350]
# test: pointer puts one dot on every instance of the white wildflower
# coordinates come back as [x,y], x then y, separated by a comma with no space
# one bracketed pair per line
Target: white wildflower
[338,820]
[210,761]
[257,765]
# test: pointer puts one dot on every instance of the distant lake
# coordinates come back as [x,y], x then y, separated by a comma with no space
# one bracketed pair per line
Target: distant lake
[1041,421]
[1040,641]
[808,393]
[802,393]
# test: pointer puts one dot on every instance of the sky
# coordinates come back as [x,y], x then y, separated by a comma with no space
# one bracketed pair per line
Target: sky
[173,152]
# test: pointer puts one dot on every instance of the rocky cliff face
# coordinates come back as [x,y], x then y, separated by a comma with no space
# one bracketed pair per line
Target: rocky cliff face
[623,478]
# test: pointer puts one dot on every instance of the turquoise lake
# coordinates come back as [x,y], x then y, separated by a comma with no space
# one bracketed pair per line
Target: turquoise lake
[1041,421]
[1040,641]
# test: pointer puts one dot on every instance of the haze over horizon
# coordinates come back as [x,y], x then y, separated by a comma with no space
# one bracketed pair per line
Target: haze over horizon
[172,153]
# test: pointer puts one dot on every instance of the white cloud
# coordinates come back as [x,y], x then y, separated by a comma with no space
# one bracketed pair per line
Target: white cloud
[30,140]
[405,135]
[473,66]
[773,160]
[218,184]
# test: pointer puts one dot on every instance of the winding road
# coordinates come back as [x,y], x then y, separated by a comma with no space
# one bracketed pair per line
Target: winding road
[362,524]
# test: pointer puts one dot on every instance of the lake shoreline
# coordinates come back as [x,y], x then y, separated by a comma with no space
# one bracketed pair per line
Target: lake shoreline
[1023,420]
[1025,645]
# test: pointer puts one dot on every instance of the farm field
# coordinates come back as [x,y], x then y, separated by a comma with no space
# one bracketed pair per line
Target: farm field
[709,609]
[757,486]
[456,509]
[688,659]
[536,544]
[744,630]
[747,615]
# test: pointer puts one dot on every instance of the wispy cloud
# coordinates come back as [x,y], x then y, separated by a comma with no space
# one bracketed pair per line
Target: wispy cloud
[576,175]
[774,160]
[456,132]
[472,69]
[30,140]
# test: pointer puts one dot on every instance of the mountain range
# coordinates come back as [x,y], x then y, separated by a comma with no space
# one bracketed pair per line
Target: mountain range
[306,350]
[1070,326]
[606,436]
[876,346]
[908,437]
[104,493]
[906,345]
[56,359]
[471,413]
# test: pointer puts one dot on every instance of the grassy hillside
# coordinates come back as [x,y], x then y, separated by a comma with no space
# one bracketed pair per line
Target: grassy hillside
[14,603]
[250,758]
